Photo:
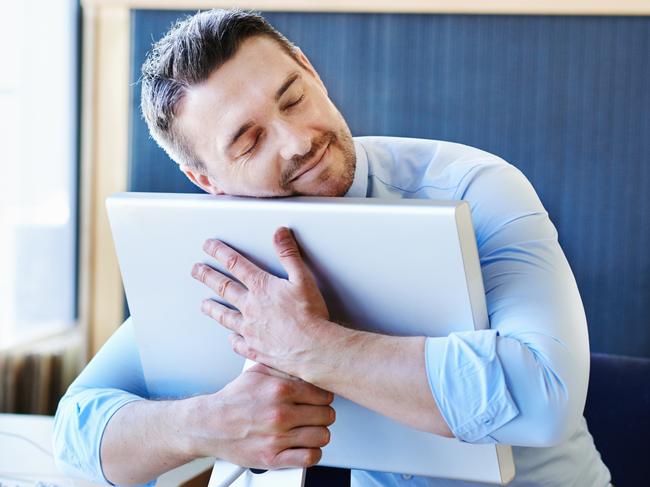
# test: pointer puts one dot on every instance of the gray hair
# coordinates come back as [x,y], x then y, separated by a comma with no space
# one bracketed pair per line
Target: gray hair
[186,55]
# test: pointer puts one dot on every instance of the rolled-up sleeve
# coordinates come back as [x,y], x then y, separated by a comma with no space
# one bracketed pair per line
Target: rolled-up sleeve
[523,381]
[112,379]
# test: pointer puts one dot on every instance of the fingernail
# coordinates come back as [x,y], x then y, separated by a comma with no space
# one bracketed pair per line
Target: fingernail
[205,306]
[283,235]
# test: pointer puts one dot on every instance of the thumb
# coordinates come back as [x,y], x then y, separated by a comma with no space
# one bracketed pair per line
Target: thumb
[288,253]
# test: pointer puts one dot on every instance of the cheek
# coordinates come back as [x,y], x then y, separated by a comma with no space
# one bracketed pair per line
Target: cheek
[260,177]
[325,112]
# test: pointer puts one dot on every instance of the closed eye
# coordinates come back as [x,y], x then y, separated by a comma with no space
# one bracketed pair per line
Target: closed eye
[257,138]
[294,103]
[252,147]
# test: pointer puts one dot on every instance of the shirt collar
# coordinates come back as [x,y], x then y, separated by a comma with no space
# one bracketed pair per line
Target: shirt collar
[359,187]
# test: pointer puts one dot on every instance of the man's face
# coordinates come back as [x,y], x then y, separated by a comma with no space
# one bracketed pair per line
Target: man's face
[264,126]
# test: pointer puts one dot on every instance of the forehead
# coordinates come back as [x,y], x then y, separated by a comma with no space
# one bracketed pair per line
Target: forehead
[232,92]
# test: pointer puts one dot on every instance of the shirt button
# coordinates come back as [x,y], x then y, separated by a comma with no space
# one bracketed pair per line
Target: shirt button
[407,476]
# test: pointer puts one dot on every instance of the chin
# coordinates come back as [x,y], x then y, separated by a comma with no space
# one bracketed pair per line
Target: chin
[327,185]
[334,181]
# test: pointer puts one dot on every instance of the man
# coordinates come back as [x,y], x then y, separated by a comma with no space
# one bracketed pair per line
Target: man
[244,112]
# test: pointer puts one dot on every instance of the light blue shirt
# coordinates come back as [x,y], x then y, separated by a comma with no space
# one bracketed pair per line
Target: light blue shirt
[523,382]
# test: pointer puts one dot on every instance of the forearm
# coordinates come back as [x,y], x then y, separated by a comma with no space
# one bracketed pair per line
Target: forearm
[261,419]
[384,373]
[518,392]
[486,389]
[144,439]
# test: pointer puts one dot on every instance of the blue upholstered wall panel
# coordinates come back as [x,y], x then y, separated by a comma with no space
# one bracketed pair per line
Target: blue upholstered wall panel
[566,99]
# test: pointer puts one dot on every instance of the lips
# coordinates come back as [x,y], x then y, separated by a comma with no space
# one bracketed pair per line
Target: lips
[313,163]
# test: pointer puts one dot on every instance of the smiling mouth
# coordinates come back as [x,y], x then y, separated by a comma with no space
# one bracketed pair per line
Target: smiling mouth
[310,165]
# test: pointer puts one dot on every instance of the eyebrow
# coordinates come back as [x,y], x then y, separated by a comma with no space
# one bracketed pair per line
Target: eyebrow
[285,86]
[278,94]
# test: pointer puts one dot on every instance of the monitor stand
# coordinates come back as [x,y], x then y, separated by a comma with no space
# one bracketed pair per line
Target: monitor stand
[226,474]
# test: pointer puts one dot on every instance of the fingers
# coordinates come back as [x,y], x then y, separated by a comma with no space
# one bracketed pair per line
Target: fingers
[288,389]
[297,457]
[223,286]
[303,447]
[223,315]
[288,253]
[308,437]
[239,346]
[243,269]
[305,415]
[305,393]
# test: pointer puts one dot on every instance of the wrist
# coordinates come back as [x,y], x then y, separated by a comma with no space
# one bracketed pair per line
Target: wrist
[190,427]
[329,357]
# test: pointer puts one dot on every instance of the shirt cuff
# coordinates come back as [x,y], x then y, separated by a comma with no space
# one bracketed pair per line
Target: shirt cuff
[467,381]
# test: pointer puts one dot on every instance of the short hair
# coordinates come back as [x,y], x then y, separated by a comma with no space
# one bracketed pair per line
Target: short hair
[186,55]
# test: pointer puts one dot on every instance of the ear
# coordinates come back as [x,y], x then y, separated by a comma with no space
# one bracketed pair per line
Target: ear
[309,68]
[202,180]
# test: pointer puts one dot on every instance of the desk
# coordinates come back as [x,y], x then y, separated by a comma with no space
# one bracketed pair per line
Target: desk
[26,457]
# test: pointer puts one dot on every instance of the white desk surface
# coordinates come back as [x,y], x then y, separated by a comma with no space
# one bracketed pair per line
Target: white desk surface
[26,459]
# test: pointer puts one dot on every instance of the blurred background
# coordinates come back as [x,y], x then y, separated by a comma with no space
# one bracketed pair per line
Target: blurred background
[40,342]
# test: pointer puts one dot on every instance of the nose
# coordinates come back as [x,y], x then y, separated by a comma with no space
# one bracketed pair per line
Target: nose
[293,140]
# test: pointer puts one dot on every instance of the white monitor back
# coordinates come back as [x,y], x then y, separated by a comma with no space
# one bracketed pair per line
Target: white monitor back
[403,267]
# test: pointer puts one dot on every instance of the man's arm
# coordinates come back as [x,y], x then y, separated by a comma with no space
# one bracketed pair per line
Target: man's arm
[106,430]
[287,328]
[259,420]
[522,382]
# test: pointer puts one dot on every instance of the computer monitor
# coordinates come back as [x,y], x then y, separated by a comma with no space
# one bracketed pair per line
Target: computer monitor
[402,267]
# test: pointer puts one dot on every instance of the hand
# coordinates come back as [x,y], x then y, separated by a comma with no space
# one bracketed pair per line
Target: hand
[278,322]
[263,419]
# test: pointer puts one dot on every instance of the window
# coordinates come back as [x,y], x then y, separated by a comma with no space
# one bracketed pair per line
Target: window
[38,178]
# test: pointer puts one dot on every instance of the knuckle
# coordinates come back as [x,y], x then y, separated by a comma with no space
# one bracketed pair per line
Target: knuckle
[281,389]
[289,251]
[222,287]
[278,416]
[232,261]
[272,445]
[221,317]
[267,457]
[249,353]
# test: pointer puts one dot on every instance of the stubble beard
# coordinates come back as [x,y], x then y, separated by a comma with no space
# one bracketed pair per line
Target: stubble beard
[330,183]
